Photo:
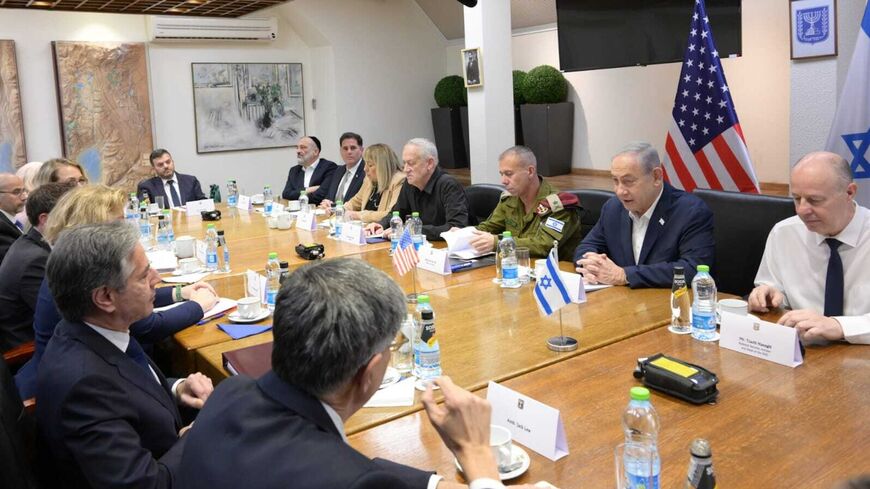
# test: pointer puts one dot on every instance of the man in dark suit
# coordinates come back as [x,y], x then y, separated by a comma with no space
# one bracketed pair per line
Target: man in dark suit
[175,188]
[22,273]
[286,429]
[311,172]
[345,181]
[13,196]
[106,414]
[647,228]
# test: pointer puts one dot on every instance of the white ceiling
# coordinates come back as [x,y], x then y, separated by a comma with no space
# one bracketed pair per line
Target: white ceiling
[447,14]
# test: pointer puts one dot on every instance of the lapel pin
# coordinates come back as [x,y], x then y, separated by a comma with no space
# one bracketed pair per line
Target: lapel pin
[662,221]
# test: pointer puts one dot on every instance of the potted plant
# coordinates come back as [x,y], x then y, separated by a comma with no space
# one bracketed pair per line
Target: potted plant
[548,120]
[519,77]
[450,96]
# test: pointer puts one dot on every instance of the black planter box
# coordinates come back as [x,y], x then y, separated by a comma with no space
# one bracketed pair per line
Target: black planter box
[548,130]
[447,126]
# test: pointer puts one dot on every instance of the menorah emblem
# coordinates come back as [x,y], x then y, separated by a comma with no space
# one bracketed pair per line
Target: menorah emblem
[812,24]
[811,18]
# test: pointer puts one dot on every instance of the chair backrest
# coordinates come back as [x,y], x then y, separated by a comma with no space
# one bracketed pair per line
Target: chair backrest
[482,200]
[17,436]
[592,200]
[741,223]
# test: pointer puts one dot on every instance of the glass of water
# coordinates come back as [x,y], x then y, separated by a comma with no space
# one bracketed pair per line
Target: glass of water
[523,264]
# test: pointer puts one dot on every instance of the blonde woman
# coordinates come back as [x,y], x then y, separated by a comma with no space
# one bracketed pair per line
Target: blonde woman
[95,204]
[60,170]
[27,172]
[380,190]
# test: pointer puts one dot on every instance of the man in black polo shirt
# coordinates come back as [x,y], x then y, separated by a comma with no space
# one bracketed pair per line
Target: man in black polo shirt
[438,198]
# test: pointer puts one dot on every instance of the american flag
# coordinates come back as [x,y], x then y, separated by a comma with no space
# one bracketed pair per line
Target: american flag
[705,146]
[405,257]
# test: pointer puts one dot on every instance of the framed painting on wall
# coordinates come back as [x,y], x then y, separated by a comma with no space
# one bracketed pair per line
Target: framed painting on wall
[12,149]
[471,69]
[813,26]
[241,106]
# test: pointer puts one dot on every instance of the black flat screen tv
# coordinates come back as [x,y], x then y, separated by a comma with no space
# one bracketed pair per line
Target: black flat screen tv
[596,34]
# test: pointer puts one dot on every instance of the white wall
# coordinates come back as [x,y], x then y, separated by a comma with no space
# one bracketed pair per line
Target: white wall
[615,106]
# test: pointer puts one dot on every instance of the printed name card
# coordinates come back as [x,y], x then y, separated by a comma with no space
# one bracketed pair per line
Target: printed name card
[434,260]
[255,285]
[195,207]
[574,285]
[277,208]
[531,423]
[761,339]
[244,203]
[306,221]
[353,233]
[199,250]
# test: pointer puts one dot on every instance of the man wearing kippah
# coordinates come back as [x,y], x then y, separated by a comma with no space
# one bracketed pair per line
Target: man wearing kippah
[311,171]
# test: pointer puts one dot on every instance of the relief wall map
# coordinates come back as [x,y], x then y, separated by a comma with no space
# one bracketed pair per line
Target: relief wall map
[104,109]
[12,151]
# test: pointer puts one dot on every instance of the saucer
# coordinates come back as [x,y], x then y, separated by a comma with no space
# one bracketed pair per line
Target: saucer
[391,376]
[517,455]
[234,317]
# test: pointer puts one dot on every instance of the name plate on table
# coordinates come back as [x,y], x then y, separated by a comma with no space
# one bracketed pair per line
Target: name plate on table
[277,208]
[255,285]
[760,339]
[306,221]
[353,233]
[195,207]
[532,423]
[434,260]
[199,251]
[244,203]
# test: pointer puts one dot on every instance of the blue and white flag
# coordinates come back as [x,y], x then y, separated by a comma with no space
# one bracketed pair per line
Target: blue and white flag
[850,132]
[550,291]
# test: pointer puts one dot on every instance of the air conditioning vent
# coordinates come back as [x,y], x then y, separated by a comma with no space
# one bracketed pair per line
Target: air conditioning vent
[169,29]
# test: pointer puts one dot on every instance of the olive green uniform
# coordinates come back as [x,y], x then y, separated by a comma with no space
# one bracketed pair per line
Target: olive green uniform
[536,230]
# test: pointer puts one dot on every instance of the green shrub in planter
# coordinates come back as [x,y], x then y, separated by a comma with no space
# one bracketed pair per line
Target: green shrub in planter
[545,85]
[450,92]
[519,79]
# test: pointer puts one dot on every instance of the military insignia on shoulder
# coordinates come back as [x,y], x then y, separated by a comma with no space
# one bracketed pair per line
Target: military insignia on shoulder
[555,202]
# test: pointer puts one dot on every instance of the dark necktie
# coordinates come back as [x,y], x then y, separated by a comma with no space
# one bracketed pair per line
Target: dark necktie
[137,354]
[834,281]
[176,202]
[19,225]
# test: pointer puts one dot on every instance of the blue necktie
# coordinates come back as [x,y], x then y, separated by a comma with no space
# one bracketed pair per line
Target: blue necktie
[137,354]
[19,225]
[176,202]
[834,281]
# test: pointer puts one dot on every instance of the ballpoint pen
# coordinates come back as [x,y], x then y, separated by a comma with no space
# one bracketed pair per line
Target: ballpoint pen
[205,320]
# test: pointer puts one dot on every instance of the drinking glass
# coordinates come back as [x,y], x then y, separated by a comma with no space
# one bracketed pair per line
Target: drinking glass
[523,264]
[161,202]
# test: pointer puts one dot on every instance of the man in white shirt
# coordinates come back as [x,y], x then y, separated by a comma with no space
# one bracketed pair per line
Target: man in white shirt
[345,182]
[311,172]
[818,262]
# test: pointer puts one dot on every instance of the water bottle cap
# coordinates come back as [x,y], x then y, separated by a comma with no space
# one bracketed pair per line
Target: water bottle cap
[339,202]
[395,213]
[415,214]
[132,194]
[679,269]
[301,193]
[507,234]
[700,448]
[161,217]
[422,298]
[220,232]
[426,315]
[273,255]
[704,268]
[639,394]
[210,226]
[283,264]
[266,186]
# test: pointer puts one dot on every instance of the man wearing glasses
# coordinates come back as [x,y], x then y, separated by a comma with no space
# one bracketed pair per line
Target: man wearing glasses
[12,199]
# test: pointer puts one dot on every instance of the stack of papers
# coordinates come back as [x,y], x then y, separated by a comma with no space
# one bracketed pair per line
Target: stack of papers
[162,260]
[399,394]
[459,243]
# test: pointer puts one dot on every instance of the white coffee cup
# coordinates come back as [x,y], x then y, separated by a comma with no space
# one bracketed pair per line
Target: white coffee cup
[257,199]
[293,205]
[734,306]
[248,307]
[284,220]
[185,246]
[540,267]
[500,443]
[188,265]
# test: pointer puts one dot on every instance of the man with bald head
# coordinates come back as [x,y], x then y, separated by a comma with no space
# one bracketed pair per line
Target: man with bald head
[817,263]
[310,173]
[12,198]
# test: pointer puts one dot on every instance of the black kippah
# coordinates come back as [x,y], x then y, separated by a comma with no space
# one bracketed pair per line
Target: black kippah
[316,142]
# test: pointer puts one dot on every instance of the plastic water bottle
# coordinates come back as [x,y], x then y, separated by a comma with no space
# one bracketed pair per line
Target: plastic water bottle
[303,202]
[222,243]
[415,228]
[507,248]
[640,423]
[163,242]
[704,306]
[170,233]
[681,322]
[133,206]
[339,217]
[700,474]
[423,305]
[144,230]
[429,349]
[268,199]
[285,271]
[232,193]
[211,246]
[395,230]
[273,280]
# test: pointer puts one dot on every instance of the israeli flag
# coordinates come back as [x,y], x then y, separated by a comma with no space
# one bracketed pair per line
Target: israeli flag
[850,132]
[550,292]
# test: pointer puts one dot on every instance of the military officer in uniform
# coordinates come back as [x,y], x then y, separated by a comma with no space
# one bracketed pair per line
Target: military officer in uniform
[531,209]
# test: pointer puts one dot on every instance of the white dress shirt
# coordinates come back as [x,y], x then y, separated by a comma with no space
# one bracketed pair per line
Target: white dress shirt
[795,261]
[639,225]
[307,173]
[434,479]
[346,178]
[168,192]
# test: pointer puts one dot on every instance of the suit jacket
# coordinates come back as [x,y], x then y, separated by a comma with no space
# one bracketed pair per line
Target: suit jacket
[328,191]
[188,188]
[20,278]
[104,420]
[680,232]
[296,180]
[389,196]
[9,232]
[155,327]
[268,434]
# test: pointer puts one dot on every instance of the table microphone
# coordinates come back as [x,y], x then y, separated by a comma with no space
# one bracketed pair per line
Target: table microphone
[468,3]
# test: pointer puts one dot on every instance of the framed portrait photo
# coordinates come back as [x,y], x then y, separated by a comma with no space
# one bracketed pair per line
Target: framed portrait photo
[472,72]
[813,25]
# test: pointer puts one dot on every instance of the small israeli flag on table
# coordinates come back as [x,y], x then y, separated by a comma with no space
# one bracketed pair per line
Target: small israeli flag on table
[550,292]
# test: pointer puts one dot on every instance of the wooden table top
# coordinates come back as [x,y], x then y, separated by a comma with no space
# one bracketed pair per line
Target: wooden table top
[773,426]
[489,333]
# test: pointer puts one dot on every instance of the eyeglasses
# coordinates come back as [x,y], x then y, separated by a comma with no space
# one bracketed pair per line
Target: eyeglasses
[16,192]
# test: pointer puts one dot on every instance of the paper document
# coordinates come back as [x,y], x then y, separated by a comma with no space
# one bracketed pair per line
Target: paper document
[459,243]
[188,278]
[162,260]
[399,394]
[222,305]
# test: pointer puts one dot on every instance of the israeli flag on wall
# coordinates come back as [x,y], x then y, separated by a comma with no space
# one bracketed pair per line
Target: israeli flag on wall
[550,292]
[850,132]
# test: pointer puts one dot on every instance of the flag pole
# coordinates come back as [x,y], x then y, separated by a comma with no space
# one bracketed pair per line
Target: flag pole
[561,343]
[412,297]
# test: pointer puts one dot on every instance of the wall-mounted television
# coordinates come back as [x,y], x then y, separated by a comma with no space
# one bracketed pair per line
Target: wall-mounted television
[596,34]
